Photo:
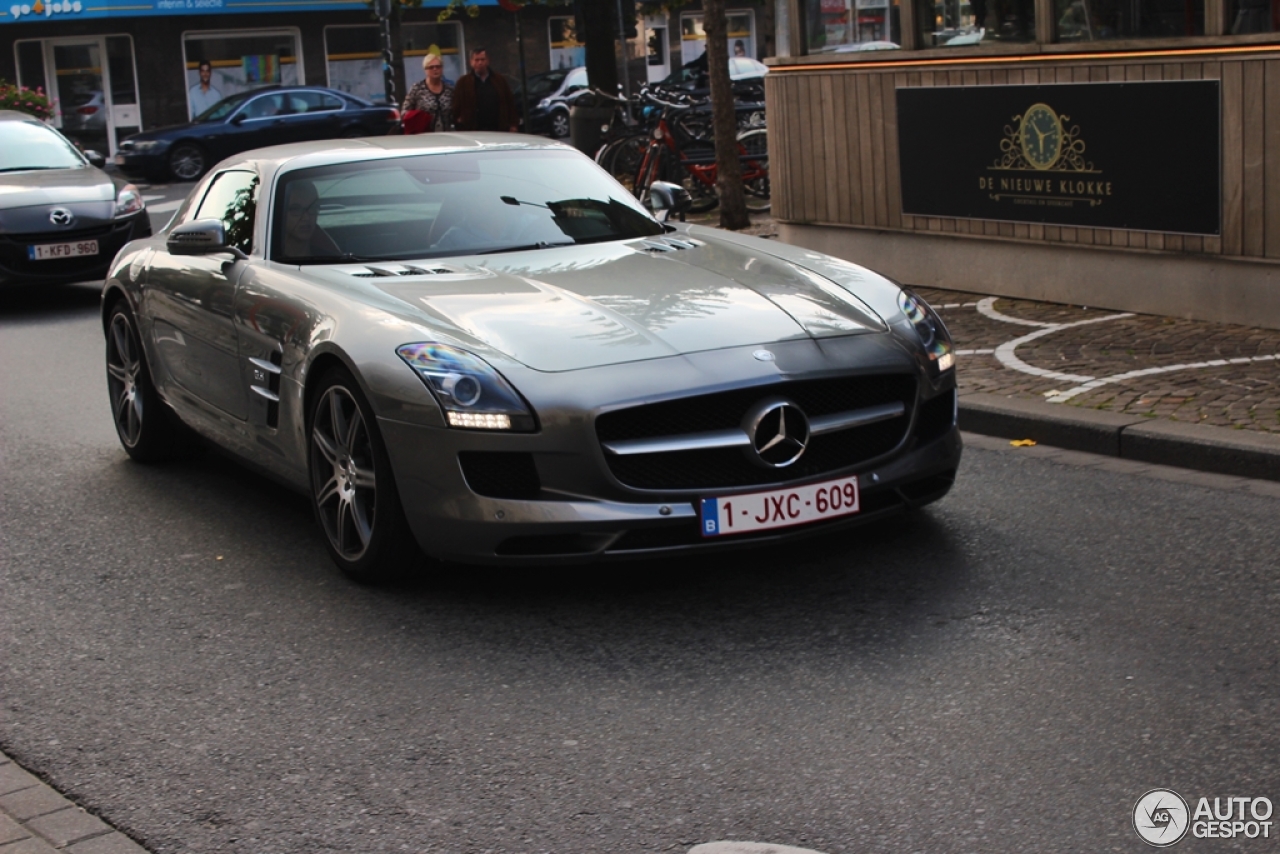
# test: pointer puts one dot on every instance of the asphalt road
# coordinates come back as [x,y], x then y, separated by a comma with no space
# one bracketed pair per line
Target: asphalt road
[1007,671]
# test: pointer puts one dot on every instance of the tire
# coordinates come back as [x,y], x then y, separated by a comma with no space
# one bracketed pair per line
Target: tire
[756,187]
[187,161]
[148,429]
[353,491]
[559,124]
[704,156]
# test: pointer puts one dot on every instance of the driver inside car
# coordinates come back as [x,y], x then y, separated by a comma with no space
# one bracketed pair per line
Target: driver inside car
[303,237]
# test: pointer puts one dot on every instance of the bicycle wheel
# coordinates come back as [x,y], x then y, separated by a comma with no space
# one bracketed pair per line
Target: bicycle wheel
[695,170]
[621,158]
[754,145]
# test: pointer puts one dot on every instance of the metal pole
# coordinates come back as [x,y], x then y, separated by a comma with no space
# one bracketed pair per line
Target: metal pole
[524,82]
[622,44]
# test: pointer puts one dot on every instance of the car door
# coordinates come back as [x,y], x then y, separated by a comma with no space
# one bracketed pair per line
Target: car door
[190,299]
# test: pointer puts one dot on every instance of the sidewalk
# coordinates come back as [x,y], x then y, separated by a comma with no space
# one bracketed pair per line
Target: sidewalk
[1184,393]
[35,819]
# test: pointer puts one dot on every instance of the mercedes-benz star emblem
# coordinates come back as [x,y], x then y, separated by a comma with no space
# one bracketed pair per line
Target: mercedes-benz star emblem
[779,432]
[61,217]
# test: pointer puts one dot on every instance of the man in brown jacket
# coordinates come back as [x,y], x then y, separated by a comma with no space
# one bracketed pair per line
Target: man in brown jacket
[482,100]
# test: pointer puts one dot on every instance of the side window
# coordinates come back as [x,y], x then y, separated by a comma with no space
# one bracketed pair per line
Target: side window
[315,102]
[233,199]
[264,107]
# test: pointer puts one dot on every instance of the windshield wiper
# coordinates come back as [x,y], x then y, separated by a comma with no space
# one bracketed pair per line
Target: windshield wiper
[542,244]
[32,168]
[347,258]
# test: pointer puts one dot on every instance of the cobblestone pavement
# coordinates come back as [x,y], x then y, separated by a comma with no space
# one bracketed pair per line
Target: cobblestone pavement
[1163,367]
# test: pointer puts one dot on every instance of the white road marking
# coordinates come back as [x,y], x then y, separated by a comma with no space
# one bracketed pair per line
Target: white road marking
[147,198]
[1005,352]
[1008,358]
[954,305]
[1063,397]
[165,207]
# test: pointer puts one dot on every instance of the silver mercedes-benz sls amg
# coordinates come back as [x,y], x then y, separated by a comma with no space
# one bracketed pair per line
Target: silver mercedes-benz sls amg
[483,348]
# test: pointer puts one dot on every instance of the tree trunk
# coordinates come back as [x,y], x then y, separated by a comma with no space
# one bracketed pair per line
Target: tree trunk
[601,38]
[733,204]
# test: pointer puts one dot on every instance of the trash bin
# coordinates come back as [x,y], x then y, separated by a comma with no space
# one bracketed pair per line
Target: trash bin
[586,125]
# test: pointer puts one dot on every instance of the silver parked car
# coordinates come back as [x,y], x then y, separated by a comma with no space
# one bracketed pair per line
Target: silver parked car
[483,348]
[62,219]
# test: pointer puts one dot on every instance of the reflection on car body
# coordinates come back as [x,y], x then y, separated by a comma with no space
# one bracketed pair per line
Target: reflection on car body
[497,355]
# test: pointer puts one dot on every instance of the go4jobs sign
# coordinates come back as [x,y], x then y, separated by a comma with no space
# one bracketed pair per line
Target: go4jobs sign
[1162,818]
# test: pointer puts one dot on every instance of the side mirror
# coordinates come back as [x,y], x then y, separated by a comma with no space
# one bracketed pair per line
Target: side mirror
[669,199]
[95,158]
[237,119]
[201,237]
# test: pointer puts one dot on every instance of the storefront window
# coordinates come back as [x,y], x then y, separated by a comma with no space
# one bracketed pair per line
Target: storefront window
[222,64]
[353,55]
[957,23]
[849,26]
[1254,16]
[566,49]
[1096,20]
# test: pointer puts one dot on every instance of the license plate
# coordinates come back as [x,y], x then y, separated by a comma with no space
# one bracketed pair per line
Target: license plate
[49,251]
[779,508]
[119,159]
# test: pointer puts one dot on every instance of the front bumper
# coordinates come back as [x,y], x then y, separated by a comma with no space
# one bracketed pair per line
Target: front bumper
[558,496]
[143,164]
[17,268]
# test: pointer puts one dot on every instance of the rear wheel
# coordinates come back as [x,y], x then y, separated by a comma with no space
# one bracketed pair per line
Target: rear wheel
[755,169]
[353,490]
[187,161]
[695,170]
[148,430]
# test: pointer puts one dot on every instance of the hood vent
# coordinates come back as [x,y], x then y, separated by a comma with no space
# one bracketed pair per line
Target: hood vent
[667,244]
[371,272]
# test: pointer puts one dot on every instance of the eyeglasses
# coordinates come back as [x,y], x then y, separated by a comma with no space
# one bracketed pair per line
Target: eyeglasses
[429,67]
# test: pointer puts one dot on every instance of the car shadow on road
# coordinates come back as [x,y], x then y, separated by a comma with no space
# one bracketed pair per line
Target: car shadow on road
[33,302]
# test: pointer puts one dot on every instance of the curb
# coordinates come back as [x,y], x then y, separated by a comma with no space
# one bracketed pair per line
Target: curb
[1202,447]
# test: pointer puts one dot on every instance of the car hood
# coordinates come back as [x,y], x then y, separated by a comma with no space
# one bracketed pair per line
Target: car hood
[578,307]
[27,197]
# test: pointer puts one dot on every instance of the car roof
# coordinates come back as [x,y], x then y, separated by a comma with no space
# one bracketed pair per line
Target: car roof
[19,116]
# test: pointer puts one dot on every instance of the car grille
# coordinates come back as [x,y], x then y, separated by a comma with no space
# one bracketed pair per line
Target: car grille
[730,467]
[500,474]
[13,250]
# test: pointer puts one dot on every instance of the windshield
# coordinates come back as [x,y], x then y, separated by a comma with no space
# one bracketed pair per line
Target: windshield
[458,203]
[30,145]
[223,108]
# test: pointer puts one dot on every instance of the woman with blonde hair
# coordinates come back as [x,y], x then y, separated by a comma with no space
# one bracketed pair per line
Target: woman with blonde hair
[432,97]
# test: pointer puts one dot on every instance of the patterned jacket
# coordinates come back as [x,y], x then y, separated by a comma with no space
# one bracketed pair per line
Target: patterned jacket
[440,106]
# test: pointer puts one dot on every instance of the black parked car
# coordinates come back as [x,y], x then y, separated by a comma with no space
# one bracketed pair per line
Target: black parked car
[268,116]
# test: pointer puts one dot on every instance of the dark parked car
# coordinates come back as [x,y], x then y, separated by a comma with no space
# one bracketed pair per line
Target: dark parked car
[541,85]
[550,114]
[62,219]
[743,72]
[276,114]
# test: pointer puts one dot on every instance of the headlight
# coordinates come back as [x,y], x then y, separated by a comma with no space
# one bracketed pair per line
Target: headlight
[544,103]
[150,144]
[128,201]
[474,396]
[933,333]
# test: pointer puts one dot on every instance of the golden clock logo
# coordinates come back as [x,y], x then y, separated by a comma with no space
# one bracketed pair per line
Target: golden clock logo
[1042,162]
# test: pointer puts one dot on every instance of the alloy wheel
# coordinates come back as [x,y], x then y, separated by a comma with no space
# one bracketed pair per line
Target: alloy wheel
[124,367]
[343,477]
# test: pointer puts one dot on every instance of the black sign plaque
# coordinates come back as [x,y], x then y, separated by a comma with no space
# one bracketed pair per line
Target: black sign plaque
[1144,156]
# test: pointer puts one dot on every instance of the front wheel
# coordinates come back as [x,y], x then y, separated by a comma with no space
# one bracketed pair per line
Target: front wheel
[148,430]
[559,124]
[353,491]
[187,162]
